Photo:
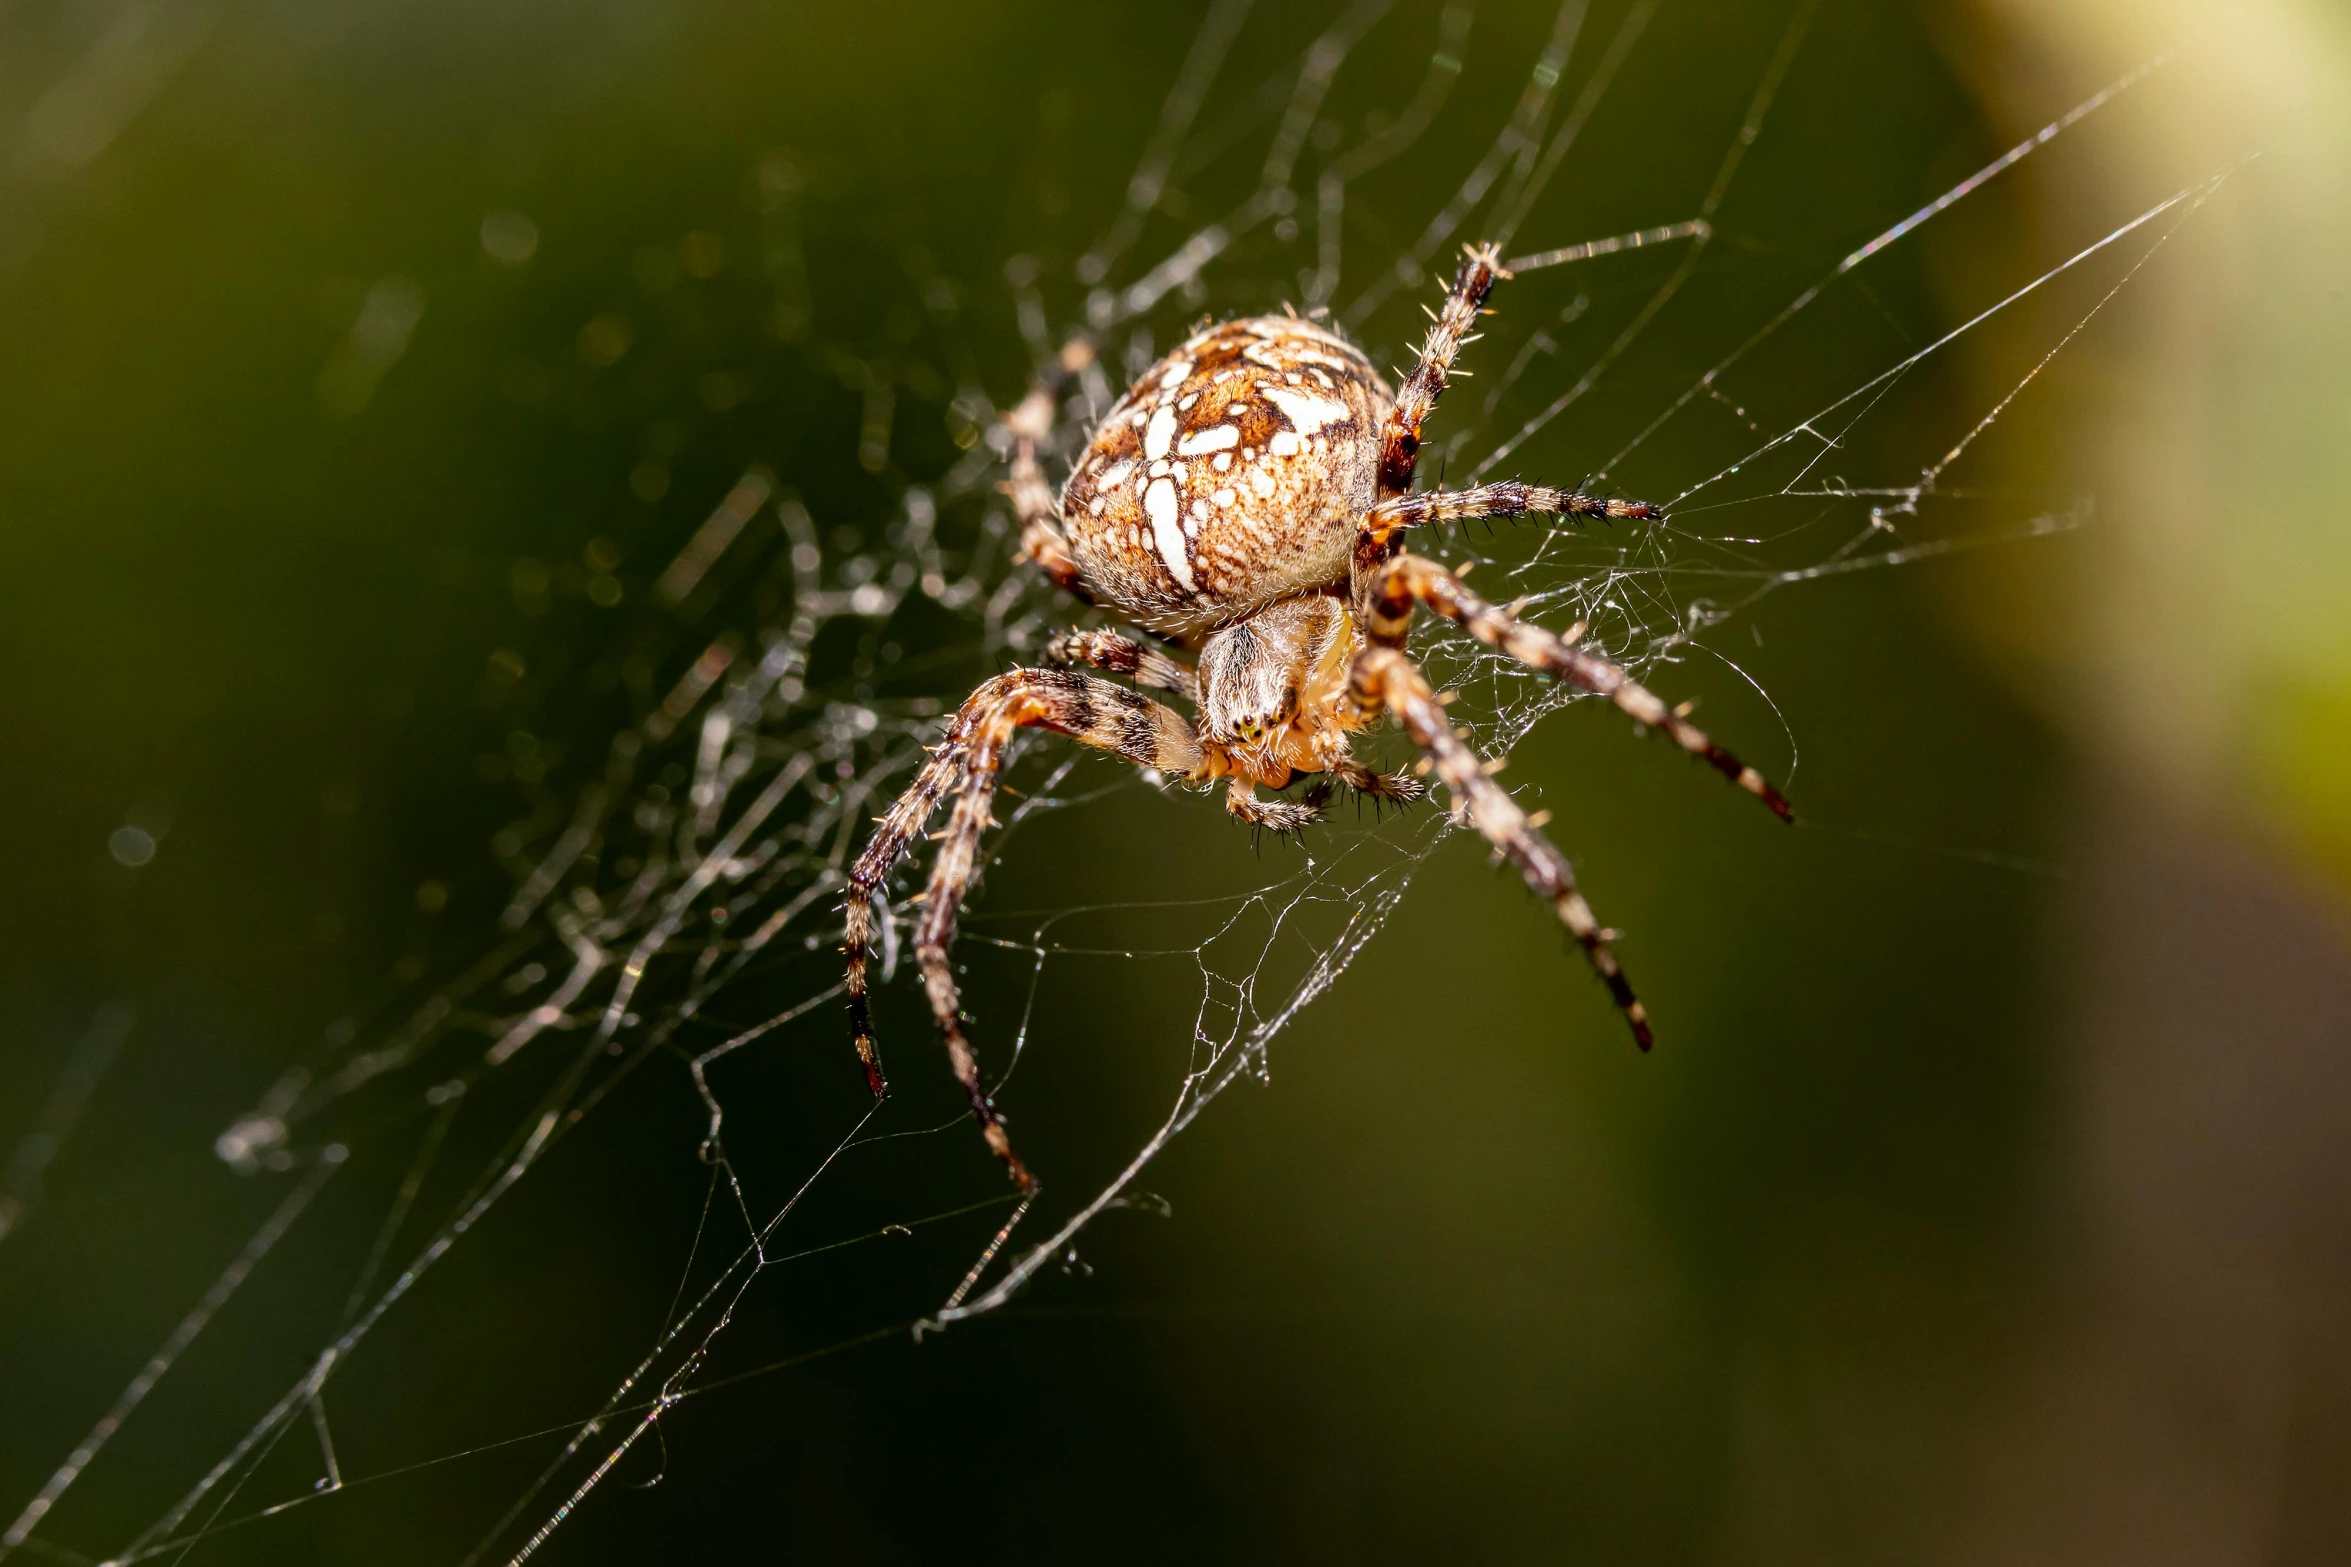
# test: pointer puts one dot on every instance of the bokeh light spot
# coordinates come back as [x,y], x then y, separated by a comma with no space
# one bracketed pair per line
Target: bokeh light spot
[509,238]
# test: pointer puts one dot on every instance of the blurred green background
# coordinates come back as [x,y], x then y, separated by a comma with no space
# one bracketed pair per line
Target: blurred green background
[1986,1199]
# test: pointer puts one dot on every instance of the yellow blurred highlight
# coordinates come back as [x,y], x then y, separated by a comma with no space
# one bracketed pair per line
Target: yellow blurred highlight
[2207,640]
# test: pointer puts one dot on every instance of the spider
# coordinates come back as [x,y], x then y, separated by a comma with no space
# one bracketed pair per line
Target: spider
[1246,502]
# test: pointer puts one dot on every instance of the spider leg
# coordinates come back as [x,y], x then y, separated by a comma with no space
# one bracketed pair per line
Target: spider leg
[1509,499]
[1284,816]
[905,817]
[1240,798]
[1408,580]
[1093,711]
[1030,425]
[1399,787]
[1400,435]
[1123,655]
[1382,677]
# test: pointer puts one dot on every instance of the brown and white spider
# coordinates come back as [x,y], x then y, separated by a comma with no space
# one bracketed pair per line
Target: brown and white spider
[1246,501]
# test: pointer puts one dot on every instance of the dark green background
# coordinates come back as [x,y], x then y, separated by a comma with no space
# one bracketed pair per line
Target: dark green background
[1466,1280]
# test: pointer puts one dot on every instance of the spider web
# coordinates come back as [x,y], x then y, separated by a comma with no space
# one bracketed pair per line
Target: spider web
[674,907]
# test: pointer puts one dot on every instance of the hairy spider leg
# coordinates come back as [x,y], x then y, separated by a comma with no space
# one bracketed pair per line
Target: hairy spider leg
[1378,786]
[871,873]
[1408,580]
[1507,499]
[1096,712]
[1383,678]
[1400,434]
[1287,816]
[1283,816]
[1123,655]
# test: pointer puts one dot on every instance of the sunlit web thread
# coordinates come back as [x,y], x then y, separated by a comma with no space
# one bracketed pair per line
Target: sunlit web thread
[1899,231]
[2181,206]
[2189,197]
[199,1317]
[22,1176]
[1274,194]
[1700,230]
[287,1104]
[1513,151]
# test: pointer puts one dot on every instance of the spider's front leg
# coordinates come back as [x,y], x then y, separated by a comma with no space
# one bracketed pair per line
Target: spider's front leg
[1507,499]
[1383,678]
[1402,583]
[1093,711]
[1400,436]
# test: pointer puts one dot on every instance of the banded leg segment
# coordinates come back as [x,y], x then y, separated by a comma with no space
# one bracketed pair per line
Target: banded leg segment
[1400,438]
[1409,580]
[1508,499]
[1123,655]
[898,826]
[1382,677]
[1093,711]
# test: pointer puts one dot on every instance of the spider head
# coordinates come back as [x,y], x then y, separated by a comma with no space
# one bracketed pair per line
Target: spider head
[1264,678]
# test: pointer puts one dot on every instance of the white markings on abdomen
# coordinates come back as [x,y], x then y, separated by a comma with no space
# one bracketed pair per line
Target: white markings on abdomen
[1161,433]
[1308,413]
[1167,531]
[1216,438]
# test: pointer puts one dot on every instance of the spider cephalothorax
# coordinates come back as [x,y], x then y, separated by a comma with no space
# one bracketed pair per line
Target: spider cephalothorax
[1245,502]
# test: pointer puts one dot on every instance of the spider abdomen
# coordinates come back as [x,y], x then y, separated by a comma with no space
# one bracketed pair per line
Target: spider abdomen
[1232,474]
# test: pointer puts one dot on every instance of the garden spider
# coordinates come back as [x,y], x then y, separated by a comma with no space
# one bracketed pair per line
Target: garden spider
[1246,501]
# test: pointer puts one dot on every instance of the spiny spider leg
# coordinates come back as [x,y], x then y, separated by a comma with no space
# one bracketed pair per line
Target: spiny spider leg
[1400,436]
[1507,499]
[1379,786]
[1240,798]
[1123,655]
[1093,711]
[871,874]
[1408,580]
[1383,678]
[1287,816]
